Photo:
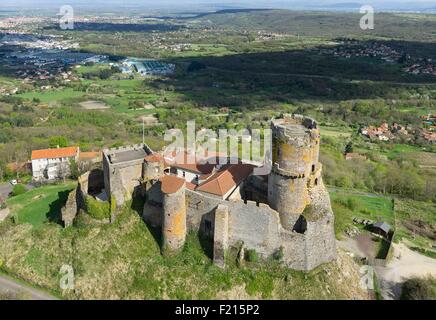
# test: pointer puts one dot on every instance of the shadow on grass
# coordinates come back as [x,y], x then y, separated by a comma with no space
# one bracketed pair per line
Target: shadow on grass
[137,205]
[54,214]
[206,244]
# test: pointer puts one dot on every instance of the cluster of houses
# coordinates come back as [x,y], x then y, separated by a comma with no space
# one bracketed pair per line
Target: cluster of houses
[395,131]
[425,66]
[42,57]
[386,132]
[429,121]
[352,48]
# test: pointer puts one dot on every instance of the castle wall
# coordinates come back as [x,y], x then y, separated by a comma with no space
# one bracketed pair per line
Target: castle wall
[121,178]
[174,221]
[298,220]
[259,227]
[221,235]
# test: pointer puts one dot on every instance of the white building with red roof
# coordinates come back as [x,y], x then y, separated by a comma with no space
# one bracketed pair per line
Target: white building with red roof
[51,164]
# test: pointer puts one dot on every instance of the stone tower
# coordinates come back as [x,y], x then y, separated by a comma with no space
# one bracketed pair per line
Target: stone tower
[174,214]
[295,167]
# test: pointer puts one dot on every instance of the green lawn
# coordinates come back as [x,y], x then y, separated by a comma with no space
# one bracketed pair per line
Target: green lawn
[346,206]
[40,205]
[335,132]
[50,96]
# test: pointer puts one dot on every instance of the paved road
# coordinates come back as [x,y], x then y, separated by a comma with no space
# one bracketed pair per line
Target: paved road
[5,189]
[16,289]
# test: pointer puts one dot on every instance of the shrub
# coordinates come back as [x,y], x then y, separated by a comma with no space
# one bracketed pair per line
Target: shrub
[418,289]
[279,254]
[251,255]
[97,209]
[18,189]
[352,204]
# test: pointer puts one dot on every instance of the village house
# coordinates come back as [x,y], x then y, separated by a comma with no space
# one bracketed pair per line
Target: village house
[385,132]
[51,164]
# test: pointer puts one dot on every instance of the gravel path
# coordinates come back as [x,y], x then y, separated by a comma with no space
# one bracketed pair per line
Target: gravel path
[404,265]
[9,286]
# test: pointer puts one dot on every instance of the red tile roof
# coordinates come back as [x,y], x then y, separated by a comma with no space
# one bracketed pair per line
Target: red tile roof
[154,157]
[226,179]
[55,153]
[183,161]
[171,184]
[90,155]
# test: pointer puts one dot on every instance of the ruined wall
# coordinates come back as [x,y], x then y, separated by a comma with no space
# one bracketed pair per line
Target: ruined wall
[221,236]
[121,179]
[70,210]
[200,212]
[257,226]
[92,182]
[321,241]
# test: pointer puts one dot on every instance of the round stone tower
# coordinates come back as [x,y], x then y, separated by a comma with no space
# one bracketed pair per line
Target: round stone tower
[295,160]
[174,214]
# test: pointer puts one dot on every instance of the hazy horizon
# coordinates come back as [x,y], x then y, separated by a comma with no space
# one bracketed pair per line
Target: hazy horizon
[197,5]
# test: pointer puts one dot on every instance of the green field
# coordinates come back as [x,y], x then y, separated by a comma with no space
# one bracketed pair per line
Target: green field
[347,206]
[416,225]
[335,132]
[40,205]
[53,96]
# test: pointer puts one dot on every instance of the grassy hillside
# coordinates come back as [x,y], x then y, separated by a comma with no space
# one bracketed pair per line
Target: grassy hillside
[123,261]
[329,24]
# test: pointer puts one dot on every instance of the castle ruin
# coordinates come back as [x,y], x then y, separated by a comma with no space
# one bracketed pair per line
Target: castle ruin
[286,211]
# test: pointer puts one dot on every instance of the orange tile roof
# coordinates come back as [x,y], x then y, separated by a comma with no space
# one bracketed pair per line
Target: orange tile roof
[190,186]
[226,179]
[171,184]
[90,155]
[182,161]
[154,157]
[55,153]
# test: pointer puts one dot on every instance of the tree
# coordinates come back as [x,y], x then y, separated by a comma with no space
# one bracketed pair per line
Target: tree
[74,169]
[418,289]
[196,66]
[58,141]
[349,147]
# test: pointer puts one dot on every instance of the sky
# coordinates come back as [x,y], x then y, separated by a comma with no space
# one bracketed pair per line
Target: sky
[197,4]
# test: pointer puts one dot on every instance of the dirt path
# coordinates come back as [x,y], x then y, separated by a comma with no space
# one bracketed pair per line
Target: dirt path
[9,286]
[404,265]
